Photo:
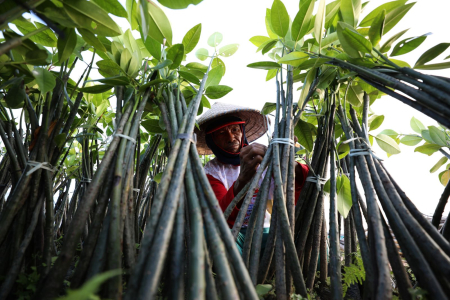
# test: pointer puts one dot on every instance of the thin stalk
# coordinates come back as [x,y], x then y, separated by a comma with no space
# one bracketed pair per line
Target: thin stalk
[437,216]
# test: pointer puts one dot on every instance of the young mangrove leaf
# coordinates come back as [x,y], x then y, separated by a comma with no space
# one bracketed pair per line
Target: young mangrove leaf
[355,95]
[96,89]
[175,54]
[115,80]
[387,46]
[152,126]
[431,54]
[268,108]
[319,23]
[350,10]
[271,74]
[91,39]
[440,66]
[331,11]
[202,54]
[159,25]
[388,7]
[269,28]
[387,143]
[67,45]
[438,136]
[45,80]
[265,65]
[178,4]
[439,164]
[344,195]
[306,85]
[214,76]
[377,28]
[113,7]
[394,16]
[356,41]
[294,58]
[215,39]
[163,64]
[217,91]
[189,77]
[411,140]
[408,45]
[228,50]
[300,25]
[375,122]
[304,134]
[258,40]
[190,40]
[416,125]
[279,18]
[427,149]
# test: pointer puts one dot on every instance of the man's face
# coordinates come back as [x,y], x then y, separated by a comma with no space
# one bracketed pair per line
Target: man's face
[228,138]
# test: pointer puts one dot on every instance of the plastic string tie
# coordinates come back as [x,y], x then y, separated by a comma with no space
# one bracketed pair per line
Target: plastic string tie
[136,190]
[87,180]
[317,180]
[186,136]
[286,141]
[361,152]
[39,165]
[125,137]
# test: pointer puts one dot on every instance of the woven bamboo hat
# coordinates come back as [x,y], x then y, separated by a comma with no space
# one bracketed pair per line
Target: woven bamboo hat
[255,122]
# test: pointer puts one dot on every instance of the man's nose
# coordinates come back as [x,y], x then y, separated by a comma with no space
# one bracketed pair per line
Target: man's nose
[229,136]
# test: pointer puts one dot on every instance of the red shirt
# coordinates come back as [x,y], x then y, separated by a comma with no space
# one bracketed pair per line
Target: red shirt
[225,196]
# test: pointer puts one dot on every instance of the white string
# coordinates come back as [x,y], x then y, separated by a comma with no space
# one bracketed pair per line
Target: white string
[317,180]
[87,180]
[359,152]
[39,165]
[125,137]
[286,141]
[136,190]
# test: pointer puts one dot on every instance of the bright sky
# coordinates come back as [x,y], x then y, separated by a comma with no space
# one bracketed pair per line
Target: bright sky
[239,20]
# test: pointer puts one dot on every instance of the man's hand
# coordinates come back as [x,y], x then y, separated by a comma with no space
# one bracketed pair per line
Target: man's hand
[250,156]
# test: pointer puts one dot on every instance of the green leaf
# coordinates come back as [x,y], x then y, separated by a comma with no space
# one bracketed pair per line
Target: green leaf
[416,125]
[304,134]
[427,137]
[306,86]
[190,40]
[91,39]
[263,289]
[130,42]
[265,65]
[394,16]
[152,126]
[269,44]
[214,76]
[350,10]
[197,66]
[178,4]
[439,164]
[300,25]
[294,58]
[217,91]
[159,25]
[175,54]
[279,18]
[67,45]
[344,195]
[376,122]
[259,40]
[438,136]
[408,45]
[377,28]
[15,96]
[440,66]
[115,80]
[355,95]
[387,46]
[91,287]
[432,54]
[218,62]
[215,39]
[356,42]
[205,102]
[96,89]
[268,108]
[271,74]
[228,50]
[428,149]
[202,54]
[319,22]
[410,140]
[332,10]
[189,77]
[112,7]
[154,47]
[45,80]
[153,82]
[90,16]
[368,20]
[108,68]
[45,38]
[326,78]
[387,143]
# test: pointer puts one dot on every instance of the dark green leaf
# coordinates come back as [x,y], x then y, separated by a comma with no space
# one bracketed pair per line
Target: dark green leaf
[356,41]
[108,68]
[408,45]
[440,66]
[279,18]
[377,28]
[300,25]
[115,80]
[388,7]
[304,134]
[152,126]
[175,54]
[355,95]
[217,91]
[265,65]
[387,46]
[45,38]
[268,44]
[96,89]
[189,77]
[306,86]
[15,95]
[432,53]
[112,7]
[45,80]
[162,64]
[326,78]
[154,47]
[376,122]
[268,108]
[91,39]
[67,45]
[37,57]
[350,10]
[190,40]
[428,149]
[153,82]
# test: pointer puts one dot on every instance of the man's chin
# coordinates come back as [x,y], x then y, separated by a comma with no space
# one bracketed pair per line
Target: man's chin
[233,150]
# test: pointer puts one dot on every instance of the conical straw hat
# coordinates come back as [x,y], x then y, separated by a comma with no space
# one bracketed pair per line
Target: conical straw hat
[255,122]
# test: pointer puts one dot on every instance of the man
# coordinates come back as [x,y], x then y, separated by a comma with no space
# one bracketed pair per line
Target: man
[226,130]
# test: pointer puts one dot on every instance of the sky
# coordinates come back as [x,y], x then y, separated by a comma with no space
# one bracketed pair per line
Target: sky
[239,20]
